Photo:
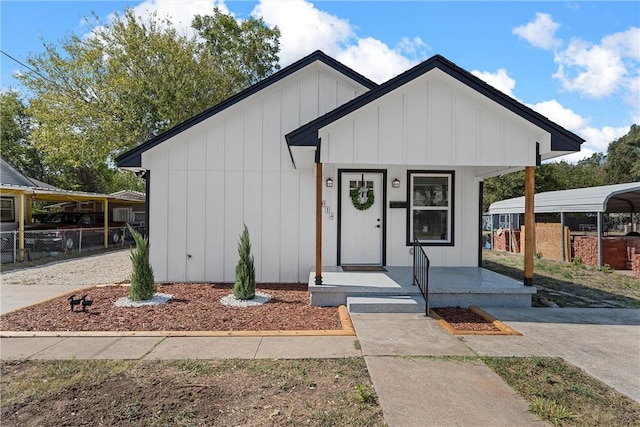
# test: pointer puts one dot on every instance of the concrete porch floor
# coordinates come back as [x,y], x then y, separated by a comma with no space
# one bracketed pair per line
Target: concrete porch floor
[448,286]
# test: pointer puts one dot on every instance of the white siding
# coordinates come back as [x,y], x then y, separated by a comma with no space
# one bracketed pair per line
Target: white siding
[233,169]
[432,120]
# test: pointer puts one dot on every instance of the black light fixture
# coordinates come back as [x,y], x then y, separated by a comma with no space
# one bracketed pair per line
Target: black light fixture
[329,182]
[395,183]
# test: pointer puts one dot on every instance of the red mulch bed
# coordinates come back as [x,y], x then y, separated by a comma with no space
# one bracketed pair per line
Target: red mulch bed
[195,307]
[463,319]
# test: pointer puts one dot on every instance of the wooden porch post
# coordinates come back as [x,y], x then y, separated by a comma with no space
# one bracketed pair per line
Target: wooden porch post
[318,223]
[529,223]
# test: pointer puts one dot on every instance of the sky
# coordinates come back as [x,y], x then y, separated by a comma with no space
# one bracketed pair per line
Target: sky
[575,62]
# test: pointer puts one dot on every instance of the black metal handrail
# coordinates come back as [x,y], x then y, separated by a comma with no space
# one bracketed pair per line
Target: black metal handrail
[421,271]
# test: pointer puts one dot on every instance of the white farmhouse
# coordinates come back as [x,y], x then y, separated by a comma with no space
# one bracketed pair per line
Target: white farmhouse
[328,169]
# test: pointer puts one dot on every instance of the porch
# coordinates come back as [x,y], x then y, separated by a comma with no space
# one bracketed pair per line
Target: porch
[393,291]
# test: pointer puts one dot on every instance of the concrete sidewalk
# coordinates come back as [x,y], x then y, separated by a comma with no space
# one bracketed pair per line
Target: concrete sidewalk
[416,390]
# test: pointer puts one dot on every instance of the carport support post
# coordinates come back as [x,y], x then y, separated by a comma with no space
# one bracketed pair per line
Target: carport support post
[529,223]
[563,254]
[21,213]
[318,223]
[106,222]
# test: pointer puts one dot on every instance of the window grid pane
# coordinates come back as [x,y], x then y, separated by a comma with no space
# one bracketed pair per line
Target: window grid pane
[430,210]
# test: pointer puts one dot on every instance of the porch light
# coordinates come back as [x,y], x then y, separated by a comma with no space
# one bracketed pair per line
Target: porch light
[395,183]
[329,182]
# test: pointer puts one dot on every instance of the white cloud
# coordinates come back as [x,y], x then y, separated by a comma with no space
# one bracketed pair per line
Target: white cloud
[540,31]
[565,117]
[304,29]
[596,139]
[180,13]
[599,139]
[499,80]
[591,70]
[627,43]
[366,56]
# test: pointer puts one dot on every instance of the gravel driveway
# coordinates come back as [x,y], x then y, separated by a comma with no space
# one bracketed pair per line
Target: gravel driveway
[112,267]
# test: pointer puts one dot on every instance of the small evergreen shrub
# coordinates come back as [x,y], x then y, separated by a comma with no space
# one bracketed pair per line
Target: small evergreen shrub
[244,287]
[143,284]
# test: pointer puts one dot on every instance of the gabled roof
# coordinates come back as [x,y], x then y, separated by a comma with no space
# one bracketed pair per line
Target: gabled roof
[617,198]
[10,176]
[132,158]
[561,139]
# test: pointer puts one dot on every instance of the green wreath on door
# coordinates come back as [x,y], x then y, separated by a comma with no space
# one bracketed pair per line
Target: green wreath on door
[355,199]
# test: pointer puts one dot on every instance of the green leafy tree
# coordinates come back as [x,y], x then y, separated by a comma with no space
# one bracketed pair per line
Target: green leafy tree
[143,284]
[623,158]
[247,51]
[97,96]
[15,136]
[245,285]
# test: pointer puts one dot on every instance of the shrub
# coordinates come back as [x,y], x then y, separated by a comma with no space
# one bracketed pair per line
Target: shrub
[143,284]
[245,285]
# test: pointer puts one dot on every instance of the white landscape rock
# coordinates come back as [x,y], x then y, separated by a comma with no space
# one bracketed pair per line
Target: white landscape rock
[259,299]
[158,298]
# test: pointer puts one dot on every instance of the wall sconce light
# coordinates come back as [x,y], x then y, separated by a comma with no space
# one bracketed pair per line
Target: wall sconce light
[395,183]
[329,182]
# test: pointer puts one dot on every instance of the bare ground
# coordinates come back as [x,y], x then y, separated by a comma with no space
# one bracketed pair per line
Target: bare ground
[189,393]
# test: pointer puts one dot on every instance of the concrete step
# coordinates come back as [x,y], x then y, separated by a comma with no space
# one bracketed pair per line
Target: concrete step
[386,304]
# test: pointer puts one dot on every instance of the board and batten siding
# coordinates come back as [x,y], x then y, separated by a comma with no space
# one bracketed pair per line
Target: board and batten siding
[235,168]
[432,120]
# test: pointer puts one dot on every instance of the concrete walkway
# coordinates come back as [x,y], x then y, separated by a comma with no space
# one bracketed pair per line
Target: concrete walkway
[422,375]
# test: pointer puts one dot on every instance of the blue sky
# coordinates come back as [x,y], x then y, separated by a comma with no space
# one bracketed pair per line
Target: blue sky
[576,62]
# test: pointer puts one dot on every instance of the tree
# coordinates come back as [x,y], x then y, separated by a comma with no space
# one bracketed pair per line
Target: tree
[100,95]
[623,158]
[15,132]
[245,285]
[143,284]
[247,52]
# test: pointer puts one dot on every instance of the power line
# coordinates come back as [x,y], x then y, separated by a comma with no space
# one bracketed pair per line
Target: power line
[29,68]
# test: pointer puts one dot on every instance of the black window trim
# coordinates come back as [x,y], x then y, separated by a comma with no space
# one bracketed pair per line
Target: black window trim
[448,173]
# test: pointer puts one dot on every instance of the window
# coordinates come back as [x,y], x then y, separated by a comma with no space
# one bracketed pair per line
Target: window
[7,210]
[430,207]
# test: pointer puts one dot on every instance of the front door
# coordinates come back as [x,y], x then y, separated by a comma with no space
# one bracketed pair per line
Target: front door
[361,218]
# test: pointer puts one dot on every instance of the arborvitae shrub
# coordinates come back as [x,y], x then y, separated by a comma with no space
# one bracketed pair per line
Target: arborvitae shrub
[245,285]
[143,284]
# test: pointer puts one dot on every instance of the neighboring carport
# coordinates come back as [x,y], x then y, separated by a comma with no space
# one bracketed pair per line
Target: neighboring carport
[25,196]
[618,198]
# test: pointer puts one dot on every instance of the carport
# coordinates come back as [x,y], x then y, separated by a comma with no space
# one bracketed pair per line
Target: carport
[617,198]
[24,191]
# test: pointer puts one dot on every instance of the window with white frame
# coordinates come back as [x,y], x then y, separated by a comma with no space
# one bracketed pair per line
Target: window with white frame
[430,213]
[7,210]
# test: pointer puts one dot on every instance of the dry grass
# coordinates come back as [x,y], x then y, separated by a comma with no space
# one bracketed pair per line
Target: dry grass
[565,395]
[569,284]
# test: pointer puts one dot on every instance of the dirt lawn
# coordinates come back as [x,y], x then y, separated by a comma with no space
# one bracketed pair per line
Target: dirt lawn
[189,393]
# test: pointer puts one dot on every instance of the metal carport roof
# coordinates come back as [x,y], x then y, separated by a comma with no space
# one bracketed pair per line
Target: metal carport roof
[617,198]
